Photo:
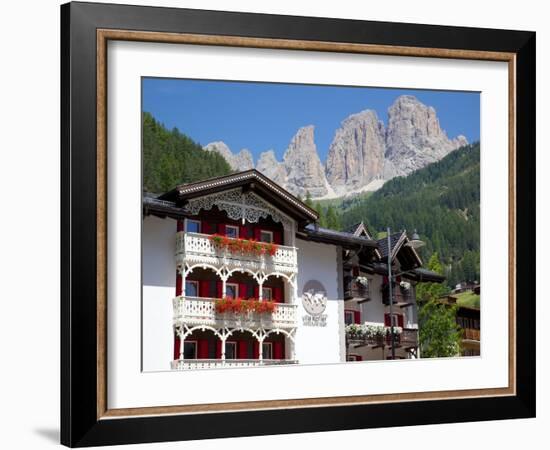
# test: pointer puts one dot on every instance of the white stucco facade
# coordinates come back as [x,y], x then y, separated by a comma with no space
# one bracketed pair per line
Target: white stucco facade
[158,275]
[320,344]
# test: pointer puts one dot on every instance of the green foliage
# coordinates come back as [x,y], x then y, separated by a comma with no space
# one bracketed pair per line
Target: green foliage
[441,200]
[467,298]
[171,158]
[426,292]
[439,333]
[328,217]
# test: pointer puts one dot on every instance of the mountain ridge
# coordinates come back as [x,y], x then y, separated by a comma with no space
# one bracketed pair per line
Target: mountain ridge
[362,156]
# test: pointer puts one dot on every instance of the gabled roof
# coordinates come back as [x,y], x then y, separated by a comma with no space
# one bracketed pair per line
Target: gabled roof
[359,229]
[248,180]
[399,249]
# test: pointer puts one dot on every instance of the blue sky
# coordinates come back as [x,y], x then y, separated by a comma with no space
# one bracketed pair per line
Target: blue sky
[263,116]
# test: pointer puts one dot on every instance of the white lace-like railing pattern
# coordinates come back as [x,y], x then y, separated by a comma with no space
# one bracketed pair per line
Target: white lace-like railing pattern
[202,311]
[186,364]
[192,248]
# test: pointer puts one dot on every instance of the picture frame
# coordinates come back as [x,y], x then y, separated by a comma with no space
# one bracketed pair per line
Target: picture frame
[86,28]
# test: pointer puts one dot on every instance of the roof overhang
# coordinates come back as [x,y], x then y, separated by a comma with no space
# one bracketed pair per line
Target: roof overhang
[342,239]
[247,180]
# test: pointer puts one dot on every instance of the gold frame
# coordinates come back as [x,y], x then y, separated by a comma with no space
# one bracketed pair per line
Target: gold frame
[104,35]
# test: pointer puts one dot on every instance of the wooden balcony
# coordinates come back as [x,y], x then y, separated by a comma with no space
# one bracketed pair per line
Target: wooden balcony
[408,338]
[471,334]
[202,311]
[400,298]
[197,248]
[354,290]
[189,364]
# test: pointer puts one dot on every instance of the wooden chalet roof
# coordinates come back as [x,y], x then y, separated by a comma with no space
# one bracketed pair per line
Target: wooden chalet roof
[406,255]
[248,180]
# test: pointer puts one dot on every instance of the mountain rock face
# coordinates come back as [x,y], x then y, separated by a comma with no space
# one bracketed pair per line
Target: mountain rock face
[304,170]
[356,155]
[414,138]
[271,168]
[238,162]
[363,153]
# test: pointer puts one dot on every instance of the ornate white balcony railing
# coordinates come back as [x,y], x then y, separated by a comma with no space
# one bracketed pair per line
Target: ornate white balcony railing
[202,311]
[186,364]
[196,248]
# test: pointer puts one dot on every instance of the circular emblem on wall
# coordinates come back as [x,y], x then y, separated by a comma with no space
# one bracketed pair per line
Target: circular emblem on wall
[314,297]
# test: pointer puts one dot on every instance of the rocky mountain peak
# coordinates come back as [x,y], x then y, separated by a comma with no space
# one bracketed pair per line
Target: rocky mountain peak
[304,170]
[238,162]
[271,168]
[362,155]
[356,154]
[414,137]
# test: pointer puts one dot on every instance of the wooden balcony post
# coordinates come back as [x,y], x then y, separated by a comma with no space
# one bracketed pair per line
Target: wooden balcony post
[182,344]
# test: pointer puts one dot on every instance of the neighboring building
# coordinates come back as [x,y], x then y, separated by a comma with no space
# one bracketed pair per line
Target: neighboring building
[368,316]
[255,281]
[468,319]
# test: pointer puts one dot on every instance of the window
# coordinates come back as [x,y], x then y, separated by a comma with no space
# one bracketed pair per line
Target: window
[191,288]
[394,320]
[352,358]
[232,290]
[267,350]
[190,350]
[230,350]
[266,236]
[349,317]
[232,231]
[192,226]
[267,293]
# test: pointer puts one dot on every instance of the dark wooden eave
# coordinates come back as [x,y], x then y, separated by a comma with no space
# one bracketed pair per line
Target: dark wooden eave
[341,238]
[248,180]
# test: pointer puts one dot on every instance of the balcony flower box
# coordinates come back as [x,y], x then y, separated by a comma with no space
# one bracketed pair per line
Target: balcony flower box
[244,246]
[241,306]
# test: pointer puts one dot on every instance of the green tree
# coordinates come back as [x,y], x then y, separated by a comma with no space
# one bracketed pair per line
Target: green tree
[426,292]
[333,221]
[170,158]
[439,333]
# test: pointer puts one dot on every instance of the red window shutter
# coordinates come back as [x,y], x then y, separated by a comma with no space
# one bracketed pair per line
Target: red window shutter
[278,352]
[218,348]
[204,288]
[243,231]
[219,289]
[256,350]
[277,294]
[357,317]
[277,238]
[202,351]
[178,285]
[243,290]
[256,291]
[179,226]
[257,233]
[221,229]
[242,349]
[400,320]
[205,227]
[176,347]
[387,320]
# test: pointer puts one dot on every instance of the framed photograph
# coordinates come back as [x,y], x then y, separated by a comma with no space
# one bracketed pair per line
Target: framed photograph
[276,224]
